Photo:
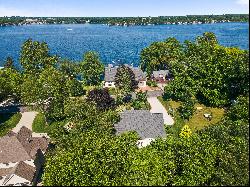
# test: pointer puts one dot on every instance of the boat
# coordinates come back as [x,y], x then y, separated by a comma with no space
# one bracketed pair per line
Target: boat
[69,29]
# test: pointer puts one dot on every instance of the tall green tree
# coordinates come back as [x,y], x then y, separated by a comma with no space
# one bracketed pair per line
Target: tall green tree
[35,56]
[91,69]
[125,79]
[161,55]
[10,83]
[47,91]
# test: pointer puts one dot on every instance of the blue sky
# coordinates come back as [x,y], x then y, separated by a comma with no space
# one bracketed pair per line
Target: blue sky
[120,7]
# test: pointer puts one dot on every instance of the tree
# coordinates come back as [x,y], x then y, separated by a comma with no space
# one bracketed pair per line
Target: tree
[91,69]
[213,74]
[35,56]
[185,132]
[187,109]
[10,83]
[9,63]
[70,69]
[141,102]
[47,91]
[101,98]
[161,55]
[125,79]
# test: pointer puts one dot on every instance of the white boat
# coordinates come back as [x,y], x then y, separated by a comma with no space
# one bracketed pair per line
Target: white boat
[69,29]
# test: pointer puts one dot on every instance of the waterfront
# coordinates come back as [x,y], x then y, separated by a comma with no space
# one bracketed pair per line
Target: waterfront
[116,44]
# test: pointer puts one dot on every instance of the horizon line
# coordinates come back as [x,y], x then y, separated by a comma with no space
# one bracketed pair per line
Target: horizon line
[133,16]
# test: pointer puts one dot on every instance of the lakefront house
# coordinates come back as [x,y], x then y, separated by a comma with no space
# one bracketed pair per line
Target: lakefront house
[110,72]
[148,126]
[21,158]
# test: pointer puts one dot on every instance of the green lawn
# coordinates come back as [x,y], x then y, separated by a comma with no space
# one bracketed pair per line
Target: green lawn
[39,124]
[8,122]
[197,121]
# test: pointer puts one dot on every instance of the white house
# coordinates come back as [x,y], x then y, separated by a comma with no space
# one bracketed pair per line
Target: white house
[110,72]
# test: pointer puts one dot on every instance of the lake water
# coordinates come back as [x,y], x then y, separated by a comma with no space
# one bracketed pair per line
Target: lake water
[119,44]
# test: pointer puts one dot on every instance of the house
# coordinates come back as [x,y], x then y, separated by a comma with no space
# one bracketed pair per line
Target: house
[149,126]
[21,158]
[110,72]
[160,76]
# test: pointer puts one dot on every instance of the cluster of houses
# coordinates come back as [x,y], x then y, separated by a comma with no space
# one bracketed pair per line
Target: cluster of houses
[149,126]
[22,154]
[160,76]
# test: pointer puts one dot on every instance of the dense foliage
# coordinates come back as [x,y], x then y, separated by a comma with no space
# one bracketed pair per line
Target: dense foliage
[91,69]
[213,74]
[101,98]
[92,155]
[125,79]
[141,103]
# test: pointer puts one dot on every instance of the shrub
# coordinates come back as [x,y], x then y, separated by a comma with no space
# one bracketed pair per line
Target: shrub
[187,109]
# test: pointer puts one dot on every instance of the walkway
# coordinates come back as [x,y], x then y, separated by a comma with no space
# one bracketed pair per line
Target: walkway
[26,120]
[157,107]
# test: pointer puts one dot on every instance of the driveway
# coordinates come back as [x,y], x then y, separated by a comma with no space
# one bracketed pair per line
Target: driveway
[157,107]
[26,120]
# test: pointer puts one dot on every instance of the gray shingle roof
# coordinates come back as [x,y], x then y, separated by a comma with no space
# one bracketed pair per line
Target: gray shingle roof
[157,74]
[110,73]
[146,124]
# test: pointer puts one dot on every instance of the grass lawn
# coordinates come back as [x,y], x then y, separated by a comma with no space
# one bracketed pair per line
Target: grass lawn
[8,122]
[197,121]
[39,124]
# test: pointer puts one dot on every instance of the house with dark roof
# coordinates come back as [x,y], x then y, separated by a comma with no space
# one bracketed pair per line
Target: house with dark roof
[149,126]
[161,75]
[110,72]
[21,157]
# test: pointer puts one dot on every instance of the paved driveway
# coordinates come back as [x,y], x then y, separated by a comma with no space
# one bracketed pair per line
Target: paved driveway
[157,107]
[26,120]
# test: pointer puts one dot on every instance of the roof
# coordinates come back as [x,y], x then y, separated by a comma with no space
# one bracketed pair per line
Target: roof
[22,170]
[157,74]
[25,171]
[21,146]
[110,73]
[11,150]
[146,124]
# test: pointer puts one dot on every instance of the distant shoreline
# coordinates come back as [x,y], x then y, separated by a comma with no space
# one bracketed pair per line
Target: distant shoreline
[117,25]
[128,21]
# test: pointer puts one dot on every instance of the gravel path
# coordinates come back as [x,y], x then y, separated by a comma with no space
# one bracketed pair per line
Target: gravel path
[157,107]
[26,120]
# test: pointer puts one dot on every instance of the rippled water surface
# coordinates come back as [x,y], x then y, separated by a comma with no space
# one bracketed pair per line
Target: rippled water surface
[113,43]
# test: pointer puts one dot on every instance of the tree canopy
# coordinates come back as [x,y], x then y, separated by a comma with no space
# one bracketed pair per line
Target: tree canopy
[91,69]
[212,73]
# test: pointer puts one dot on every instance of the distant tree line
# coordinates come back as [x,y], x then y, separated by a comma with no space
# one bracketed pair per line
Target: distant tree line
[189,19]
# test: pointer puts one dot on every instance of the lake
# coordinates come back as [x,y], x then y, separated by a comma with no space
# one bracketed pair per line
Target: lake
[114,44]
